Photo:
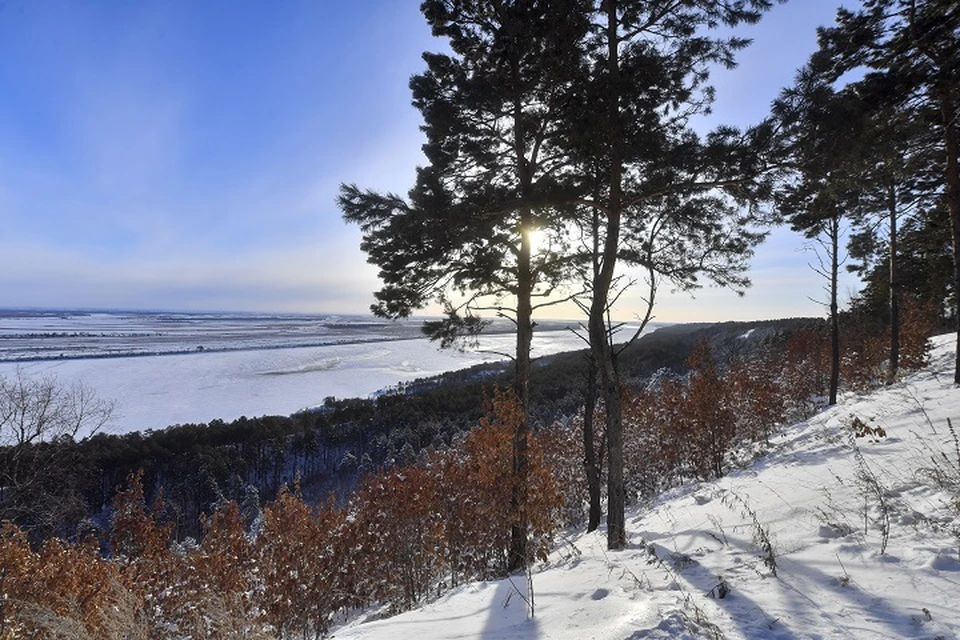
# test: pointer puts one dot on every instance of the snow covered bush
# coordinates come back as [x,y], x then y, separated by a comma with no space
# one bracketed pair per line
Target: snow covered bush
[686,428]
[304,565]
[61,591]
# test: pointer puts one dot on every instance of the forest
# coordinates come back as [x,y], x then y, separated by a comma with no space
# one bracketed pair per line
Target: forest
[570,119]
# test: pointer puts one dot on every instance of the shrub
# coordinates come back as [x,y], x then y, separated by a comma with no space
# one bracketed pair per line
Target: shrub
[61,591]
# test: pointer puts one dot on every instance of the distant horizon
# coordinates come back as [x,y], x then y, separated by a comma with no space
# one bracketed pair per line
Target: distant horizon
[368,314]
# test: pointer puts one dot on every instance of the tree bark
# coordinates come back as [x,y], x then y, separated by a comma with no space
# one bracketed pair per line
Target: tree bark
[834,315]
[952,148]
[518,498]
[590,463]
[517,558]
[894,362]
[599,335]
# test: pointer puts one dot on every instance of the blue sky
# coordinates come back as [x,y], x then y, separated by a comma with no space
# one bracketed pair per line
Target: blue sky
[186,155]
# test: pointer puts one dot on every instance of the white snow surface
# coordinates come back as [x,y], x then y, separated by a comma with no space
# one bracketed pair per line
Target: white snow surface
[162,369]
[813,500]
[153,392]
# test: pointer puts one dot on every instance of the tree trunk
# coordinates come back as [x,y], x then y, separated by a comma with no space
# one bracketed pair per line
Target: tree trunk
[952,148]
[894,363]
[590,463]
[834,315]
[518,497]
[517,558]
[599,335]
[610,383]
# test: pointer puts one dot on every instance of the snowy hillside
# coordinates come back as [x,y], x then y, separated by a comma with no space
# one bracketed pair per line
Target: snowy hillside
[826,535]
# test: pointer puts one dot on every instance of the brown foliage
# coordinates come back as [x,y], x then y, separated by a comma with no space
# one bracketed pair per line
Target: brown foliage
[403,532]
[136,532]
[216,581]
[60,591]
[563,455]
[683,429]
[919,323]
[757,399]
[399,531]
[866,352]
[450,515]
[803,370]
[410,530]
[304,564]
[707,422]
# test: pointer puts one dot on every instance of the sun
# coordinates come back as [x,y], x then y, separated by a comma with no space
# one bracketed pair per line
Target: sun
[538,240]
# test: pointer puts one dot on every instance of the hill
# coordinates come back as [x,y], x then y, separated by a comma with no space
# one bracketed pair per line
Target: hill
[846,526]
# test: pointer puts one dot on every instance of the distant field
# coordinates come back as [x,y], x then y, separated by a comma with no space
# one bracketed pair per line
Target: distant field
[163,369]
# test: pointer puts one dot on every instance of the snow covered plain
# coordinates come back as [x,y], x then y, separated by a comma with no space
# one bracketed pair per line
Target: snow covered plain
[815,507]
[176,368]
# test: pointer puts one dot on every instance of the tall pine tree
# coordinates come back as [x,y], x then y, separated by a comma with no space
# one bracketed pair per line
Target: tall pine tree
[916,43]
[642,77]
[463,238]
[546,111]
[898,183]
[827,150]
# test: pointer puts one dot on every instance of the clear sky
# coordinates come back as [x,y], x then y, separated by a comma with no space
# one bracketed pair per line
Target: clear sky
[185,155]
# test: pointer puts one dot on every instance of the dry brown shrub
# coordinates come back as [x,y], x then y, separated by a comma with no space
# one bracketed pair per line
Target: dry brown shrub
[682,429]
[866,348]
[448,519]
[654,451]
[141,546]
[706,416]
[304,563]
[216,595]
[562,450]
[919,321]
[17,564]
[399,531]
[62,591]
[757,398]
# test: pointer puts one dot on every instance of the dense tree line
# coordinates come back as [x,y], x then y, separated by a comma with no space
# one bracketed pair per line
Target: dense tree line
[286,569]
[248,460]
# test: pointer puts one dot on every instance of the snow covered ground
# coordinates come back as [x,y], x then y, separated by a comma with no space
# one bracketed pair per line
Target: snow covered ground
[250,365]
[152,392]
[824,536]
[50,335]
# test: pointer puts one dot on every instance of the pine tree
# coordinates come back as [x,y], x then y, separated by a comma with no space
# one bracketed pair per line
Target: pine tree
[642,76]
[924,267]
[916,44]
[827,149]
[464,237]
[898,183]
[544,112]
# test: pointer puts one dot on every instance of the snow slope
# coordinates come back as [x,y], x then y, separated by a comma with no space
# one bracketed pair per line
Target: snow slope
[813,507]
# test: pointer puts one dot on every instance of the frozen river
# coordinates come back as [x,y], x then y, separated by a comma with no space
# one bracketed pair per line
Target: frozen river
[165,369]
